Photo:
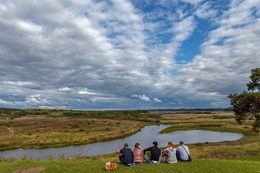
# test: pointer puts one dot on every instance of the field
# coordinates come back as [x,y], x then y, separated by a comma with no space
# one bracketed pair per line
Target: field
[229,156]
[252,165]
[40,132]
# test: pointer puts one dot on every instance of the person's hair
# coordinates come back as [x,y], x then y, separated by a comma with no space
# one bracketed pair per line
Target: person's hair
[126,145]
[136,145]
[181,142]
[170,144]
[155,143]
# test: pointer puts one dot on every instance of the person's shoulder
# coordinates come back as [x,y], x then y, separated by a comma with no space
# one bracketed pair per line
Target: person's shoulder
[129,149]
[179,147]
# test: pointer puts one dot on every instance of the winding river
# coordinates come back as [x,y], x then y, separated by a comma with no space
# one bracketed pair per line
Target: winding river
[145,137]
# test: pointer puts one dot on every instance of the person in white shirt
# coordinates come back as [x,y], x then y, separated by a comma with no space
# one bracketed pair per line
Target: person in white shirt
[182,152]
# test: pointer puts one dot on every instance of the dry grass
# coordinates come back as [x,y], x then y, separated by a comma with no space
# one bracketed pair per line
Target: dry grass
[30,170]
[38,132]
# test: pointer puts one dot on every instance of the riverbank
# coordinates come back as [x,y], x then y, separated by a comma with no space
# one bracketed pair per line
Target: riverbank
[45,132]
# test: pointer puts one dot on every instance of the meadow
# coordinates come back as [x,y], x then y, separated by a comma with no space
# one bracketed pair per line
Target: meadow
[229,156]
[42,132]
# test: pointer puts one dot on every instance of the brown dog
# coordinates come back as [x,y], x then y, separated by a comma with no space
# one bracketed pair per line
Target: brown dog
[111,166]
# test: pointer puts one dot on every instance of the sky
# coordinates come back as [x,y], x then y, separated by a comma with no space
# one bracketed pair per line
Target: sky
[126,54]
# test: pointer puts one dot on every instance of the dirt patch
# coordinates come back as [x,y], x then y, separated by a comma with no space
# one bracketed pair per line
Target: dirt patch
[30,170]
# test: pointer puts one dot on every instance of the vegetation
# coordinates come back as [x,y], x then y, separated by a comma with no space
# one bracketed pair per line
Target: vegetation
[139,115]
[250,165]
[40,132]
[247,104]
[229,156]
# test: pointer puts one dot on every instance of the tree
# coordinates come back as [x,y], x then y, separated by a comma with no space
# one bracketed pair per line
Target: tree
[15,114]
[248,102]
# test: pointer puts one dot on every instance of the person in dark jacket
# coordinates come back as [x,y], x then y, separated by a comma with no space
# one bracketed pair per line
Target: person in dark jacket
[155,154]
[125,155]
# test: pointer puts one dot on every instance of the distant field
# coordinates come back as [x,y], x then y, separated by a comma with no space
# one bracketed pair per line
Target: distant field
[39,132]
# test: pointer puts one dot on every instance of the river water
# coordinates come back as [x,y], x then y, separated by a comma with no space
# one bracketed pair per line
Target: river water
[145,137]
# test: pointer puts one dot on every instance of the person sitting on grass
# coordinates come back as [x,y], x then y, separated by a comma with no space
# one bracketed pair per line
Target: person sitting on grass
[182,152]
[170,153]
[137,155]
[155,154]
[125,155]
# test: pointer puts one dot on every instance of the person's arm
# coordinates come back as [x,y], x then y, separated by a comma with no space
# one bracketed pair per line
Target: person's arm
[119,152]
[147,149]
[165,153]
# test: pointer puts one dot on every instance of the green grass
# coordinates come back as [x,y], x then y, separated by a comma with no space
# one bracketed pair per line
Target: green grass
[252,158]
[198,165]
[218,128]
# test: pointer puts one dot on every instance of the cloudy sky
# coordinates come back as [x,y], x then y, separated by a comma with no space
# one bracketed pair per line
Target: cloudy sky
[126,54]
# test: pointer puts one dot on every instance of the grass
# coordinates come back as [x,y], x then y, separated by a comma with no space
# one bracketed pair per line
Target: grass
[229,156]
[41,132]
[95,166]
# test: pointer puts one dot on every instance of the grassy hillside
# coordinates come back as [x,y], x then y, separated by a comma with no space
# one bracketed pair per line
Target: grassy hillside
[199,165]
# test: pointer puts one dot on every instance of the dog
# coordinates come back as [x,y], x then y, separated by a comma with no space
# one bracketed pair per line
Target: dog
[111,166]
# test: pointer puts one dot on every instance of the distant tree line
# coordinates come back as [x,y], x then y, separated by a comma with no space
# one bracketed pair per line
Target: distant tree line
[124,114]
[141,115]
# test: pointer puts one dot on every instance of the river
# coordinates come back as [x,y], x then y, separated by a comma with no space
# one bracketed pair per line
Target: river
[145,137]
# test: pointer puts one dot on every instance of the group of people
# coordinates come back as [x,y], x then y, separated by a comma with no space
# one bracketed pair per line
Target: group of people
[171,154]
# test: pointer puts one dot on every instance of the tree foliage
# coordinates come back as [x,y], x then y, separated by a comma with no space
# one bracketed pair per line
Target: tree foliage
[247,104]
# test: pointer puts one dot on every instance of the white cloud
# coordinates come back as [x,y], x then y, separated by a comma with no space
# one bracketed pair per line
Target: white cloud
[36,99]
[157,100]
[3,102]
[103,99]
[205,11]
[65,89]
[18,83]
[141,97]
[85,91]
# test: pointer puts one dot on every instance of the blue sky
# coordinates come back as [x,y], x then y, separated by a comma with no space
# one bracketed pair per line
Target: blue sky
[126,54]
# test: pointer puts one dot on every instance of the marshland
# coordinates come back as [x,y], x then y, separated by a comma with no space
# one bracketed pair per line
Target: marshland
[44,128]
